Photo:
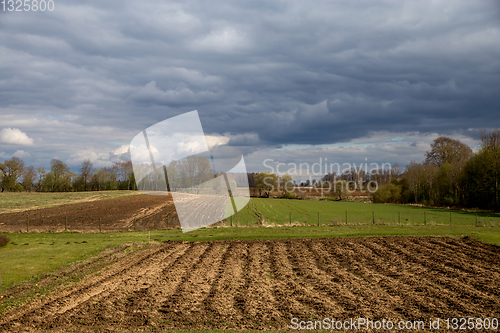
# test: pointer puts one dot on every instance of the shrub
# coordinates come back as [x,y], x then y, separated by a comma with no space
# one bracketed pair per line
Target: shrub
[447,200]
[4,240]
[289,195]
[388,193]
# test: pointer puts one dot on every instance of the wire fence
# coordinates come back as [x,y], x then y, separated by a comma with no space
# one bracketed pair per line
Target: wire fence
[252,218]
[58,224]
[369,218]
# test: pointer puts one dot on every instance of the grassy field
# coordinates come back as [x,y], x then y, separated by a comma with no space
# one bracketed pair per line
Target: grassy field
[21,201]
[283,211]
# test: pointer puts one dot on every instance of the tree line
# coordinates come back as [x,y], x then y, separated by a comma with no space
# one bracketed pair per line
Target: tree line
[189,173]
[16,177]
[451,175]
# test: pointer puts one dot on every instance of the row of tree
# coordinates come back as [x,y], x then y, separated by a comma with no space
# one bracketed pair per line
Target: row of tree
[192,172]
[15,177]
[451,175]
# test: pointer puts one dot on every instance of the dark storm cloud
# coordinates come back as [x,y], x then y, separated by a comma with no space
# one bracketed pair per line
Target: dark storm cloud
[263,74]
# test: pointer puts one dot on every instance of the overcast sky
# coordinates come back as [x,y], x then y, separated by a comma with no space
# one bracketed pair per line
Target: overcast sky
[349,81]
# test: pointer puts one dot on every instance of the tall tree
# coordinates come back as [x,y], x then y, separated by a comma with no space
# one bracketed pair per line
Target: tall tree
[482,174]
[286,181]
[189,172]
[450,156]
[413,176]
[491,146]
[41,175]
[124,175]
[445,150]
[29,178]
[86,173]
[60,176]
[12,171]
[266,182]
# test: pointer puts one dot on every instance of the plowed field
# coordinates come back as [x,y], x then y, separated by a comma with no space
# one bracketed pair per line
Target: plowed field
[127,213]
[263,284]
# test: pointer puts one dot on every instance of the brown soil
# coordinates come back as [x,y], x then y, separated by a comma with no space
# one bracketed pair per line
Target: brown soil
[148,211]
[263,284]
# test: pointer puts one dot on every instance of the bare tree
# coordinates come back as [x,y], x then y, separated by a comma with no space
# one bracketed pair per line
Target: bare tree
[29,178]
[396,172]
[86,172]
[41,176]
[413,174]
[124,175]
[285,181]
[445,150]
[450,156]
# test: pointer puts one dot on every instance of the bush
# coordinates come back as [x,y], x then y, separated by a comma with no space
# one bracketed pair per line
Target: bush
[4,240]
[388,193]
[447,200]
[289,195]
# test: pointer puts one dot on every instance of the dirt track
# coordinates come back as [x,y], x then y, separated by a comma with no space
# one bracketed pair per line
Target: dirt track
[263,284]
[149,211]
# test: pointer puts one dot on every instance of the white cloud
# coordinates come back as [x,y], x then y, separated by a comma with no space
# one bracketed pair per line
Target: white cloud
[100,156]
[98,159]
[21,154]
[15,136]
[121,150]
[216,140]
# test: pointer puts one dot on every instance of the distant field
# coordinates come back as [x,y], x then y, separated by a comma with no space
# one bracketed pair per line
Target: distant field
[268,211]
[283,211]
[18,202]
[125,211]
